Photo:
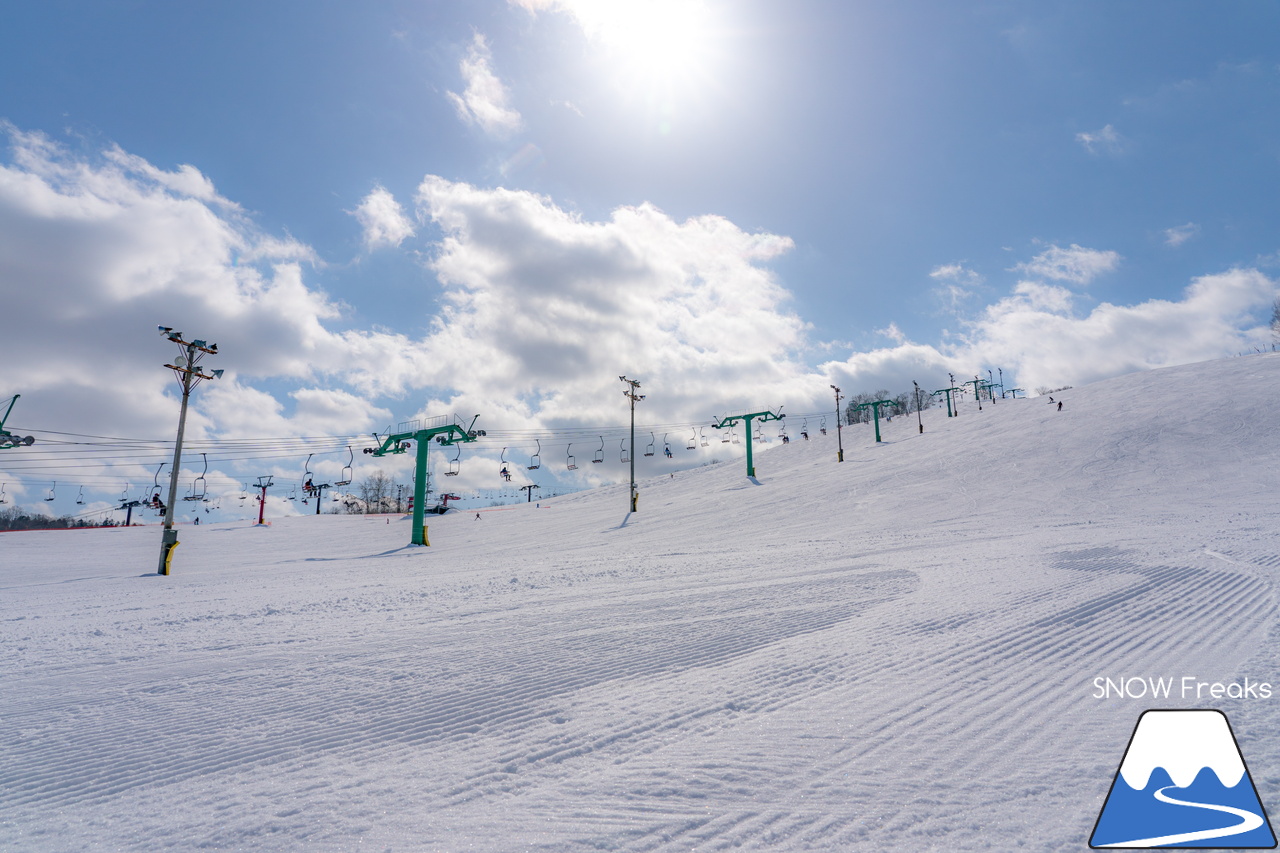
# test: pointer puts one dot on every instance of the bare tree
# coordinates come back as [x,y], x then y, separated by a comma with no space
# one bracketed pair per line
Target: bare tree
[376,490]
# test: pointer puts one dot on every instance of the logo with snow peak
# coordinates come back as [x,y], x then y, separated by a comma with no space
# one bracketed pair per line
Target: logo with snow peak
[1183,783]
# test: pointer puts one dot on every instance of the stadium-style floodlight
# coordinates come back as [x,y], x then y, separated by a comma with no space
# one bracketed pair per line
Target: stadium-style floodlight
[186,367]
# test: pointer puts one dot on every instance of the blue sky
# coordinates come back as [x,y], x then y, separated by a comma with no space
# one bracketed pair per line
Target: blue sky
[402,208]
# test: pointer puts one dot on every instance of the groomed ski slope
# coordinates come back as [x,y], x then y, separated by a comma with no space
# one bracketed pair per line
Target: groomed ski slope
[893,653]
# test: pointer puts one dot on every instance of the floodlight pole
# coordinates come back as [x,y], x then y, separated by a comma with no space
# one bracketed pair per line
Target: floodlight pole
[631,395]
[919,420]
[186,368]
[839,434]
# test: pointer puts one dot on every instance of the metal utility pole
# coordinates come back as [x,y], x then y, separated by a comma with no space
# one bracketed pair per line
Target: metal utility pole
[631,395]
[264,483]
[528,491]
[186,367]
[918,418]
[839,435]
[1001,372]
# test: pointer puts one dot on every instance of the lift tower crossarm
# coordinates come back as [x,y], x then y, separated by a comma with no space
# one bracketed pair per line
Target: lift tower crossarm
[875,405]
[949,392]
[765,417]
[444,432]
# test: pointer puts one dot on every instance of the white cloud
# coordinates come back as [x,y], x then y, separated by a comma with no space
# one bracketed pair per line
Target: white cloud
[956,285]
[1104,141]
[1074,264]
[1036,334]
[1179,234]
[93,255]
[383,220]
[485,100]
[544,310]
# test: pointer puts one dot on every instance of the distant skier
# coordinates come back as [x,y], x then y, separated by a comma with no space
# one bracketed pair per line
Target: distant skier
[1059,405]
[477,516]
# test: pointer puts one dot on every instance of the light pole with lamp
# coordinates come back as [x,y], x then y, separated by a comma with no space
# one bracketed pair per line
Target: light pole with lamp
[186,367]
[839,436]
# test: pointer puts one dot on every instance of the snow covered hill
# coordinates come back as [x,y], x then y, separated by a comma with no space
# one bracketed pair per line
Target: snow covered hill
[899,652]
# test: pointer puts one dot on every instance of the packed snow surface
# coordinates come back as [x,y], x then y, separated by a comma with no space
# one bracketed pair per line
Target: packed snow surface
[899,652]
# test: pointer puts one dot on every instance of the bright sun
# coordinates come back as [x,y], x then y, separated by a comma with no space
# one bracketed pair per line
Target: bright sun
[659,41]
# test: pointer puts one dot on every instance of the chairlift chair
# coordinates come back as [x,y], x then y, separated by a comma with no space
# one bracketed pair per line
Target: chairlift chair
[622,451]
[648,451]
[80,497]
[736,440]
[702,437]
[666,448]
[693,441]
[568,462]
[599,454]
[804,429]
[4,500]
[822,427]
[52,491]
[454,464]
[345,478]
[505,472]
[535,461]
[198,484]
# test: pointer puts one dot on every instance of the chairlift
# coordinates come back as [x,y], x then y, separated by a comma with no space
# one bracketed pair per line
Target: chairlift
[568,463]
[648,451]
[804,429]
[198,484]
[702,438]
[736,440]
[454,464]
[155,501]
[293,494]
[52,493]
[724,436]
[822,427]
[345,478]
[80,497]
[666,448]
[505,472]
[535,461]
[599,455]
[622,451]
[124,495]
[693,441]
[5,500]
[244,492]
[308,488]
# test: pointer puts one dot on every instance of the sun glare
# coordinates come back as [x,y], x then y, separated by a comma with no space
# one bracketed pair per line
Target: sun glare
[652,40]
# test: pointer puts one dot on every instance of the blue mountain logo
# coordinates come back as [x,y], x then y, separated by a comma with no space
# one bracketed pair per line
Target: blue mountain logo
[1183,783]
